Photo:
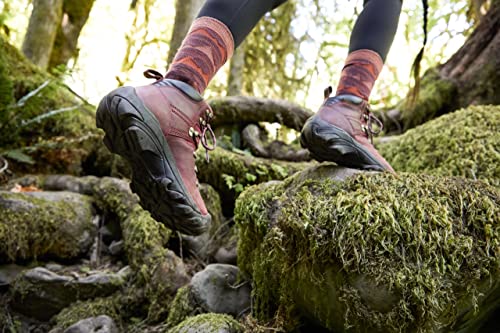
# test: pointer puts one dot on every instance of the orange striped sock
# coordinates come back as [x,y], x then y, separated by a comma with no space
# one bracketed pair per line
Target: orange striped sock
[359,74]
[206,48]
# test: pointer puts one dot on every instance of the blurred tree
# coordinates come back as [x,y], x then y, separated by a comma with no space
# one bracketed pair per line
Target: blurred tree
[470,76]
[42,30]
[75,15]
[236,70]
[185,12]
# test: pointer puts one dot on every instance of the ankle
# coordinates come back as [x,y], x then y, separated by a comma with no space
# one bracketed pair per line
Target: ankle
[361,70]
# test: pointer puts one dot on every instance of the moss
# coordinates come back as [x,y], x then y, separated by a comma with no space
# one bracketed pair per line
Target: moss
[431,242]
[144,240]
[182,307]
[230,173]
[213,203]
[66,137]
[463,143]
[39,227]
[80,310]
[208,323]
[437,96]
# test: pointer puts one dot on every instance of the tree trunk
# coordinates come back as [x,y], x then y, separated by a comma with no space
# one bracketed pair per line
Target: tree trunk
[245,110]
[42,29]
[235,80]
[75,15]
[470,76]
[185,12]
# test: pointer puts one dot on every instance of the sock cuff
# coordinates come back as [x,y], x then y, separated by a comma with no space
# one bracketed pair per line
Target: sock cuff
[366,56]
[207,22]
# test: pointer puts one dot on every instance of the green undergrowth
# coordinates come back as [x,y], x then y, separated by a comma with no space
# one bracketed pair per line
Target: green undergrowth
[463,143]
[230,172]
[431,243]
[39,227]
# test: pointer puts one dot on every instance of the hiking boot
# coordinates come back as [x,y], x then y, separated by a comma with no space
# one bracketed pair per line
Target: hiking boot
[341,132]
[157,129]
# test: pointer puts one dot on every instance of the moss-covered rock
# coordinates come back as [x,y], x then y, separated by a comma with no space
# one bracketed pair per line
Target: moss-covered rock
[374,253]
[45,224]
[208,323]
[53,125]
[80,310]
[463,143]
[182,307]
[159,271]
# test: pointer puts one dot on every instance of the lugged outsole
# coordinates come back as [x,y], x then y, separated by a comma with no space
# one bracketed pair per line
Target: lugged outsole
[134,133]
[327,142]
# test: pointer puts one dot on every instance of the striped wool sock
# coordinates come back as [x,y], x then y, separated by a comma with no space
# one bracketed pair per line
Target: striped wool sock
[359,74]
[207,46]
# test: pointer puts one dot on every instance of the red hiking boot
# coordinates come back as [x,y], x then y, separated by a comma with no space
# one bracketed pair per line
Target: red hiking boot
[157,129]
[341,132]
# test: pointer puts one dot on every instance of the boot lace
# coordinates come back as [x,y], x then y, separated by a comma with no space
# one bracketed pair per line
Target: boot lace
[369,119]
[204,122]
[205,128]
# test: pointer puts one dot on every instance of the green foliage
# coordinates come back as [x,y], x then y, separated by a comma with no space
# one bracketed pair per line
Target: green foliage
[431,242]
[462,143]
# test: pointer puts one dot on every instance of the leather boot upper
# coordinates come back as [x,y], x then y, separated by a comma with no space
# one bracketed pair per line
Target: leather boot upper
[183,117]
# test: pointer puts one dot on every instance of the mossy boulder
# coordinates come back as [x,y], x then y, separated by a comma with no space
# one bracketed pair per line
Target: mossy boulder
[208,323]
[42,117]
[463,143]
[372,253]
[45,224]
[40,293]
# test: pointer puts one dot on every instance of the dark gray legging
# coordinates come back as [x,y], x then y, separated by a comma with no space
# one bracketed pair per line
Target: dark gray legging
[374,29]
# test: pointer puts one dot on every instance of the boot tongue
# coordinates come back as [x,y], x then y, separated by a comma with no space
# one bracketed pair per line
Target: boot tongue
[182,86]
[349,98]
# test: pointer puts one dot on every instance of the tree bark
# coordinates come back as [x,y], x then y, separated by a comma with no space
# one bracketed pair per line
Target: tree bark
[42,29]
[469,77]
[185,12]
[245,110]
[75,15]
[236,72]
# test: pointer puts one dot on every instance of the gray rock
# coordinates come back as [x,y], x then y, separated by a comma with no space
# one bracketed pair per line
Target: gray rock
[218,290]
[8,273]
[226,256]
[101,324]
[40,293]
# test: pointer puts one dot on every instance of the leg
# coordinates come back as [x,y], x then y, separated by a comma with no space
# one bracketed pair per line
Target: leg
[195,62]
[157,128]
[341,130]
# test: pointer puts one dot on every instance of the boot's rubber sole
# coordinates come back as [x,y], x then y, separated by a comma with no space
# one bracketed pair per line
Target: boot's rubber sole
[134,133]
[327,142]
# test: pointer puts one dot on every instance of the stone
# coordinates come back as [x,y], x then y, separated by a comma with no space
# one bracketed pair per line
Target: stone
[101,324]
[58,225]
[371,252]
[40,293]
[218,289]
